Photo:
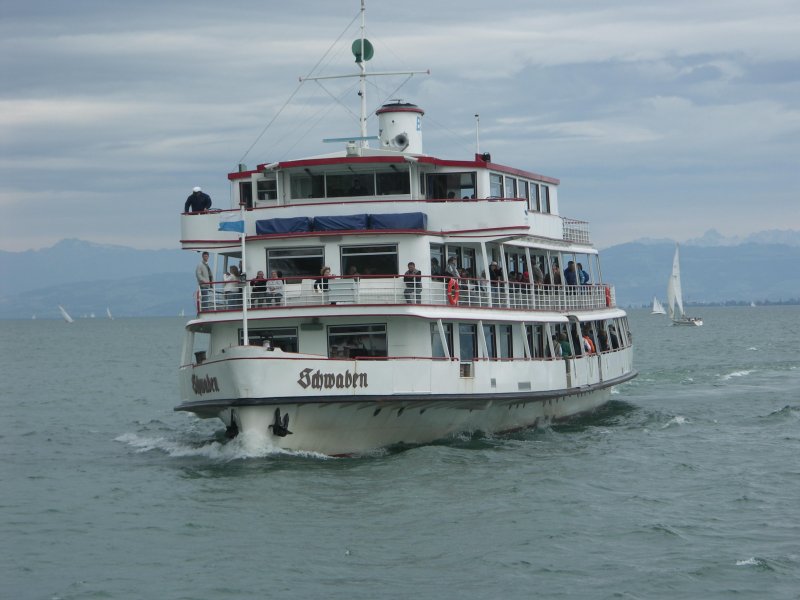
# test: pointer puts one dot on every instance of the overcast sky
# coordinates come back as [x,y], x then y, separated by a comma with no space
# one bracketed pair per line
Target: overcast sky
[662,119]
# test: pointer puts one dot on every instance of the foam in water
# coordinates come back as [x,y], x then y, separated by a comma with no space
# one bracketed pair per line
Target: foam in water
[676,420]
[749,562]
[735,374]
[246,445]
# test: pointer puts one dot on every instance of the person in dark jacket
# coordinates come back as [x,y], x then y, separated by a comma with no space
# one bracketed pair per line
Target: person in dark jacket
[198,201]
[413,281]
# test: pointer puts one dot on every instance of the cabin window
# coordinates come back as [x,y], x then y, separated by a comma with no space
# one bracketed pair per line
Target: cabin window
[338,185]
[545,198]
[306,185]
[437,259]
[369,260]
[465,258]
[534,203]
[537,341]
[267,189]
[296,262]
[510,187]
[495,185]
[352,341]
[451,185]
[524,190]
[505,341]
[284,338]
[393,183]
[467,341]
[490,335]
[246,193]
[437,351]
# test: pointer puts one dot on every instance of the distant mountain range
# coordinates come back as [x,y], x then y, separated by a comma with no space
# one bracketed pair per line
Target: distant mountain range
[86,278]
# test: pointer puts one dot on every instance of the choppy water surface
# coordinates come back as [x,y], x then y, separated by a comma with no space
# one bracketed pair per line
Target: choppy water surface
[686,486]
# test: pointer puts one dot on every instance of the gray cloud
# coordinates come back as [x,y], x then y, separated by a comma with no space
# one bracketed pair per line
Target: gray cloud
[112,111]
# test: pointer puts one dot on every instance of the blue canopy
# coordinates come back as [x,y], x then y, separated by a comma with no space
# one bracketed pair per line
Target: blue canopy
[414,220]
[289,225]
[341,223]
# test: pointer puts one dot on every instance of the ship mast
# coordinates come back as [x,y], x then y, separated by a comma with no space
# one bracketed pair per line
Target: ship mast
[362,78]
[363,51]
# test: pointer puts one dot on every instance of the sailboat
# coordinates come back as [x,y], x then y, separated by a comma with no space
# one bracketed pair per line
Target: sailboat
[658,308]
[108,312]
[65,314]
[675,296]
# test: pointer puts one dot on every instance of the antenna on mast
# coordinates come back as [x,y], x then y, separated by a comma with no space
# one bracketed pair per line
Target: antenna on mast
[477,133]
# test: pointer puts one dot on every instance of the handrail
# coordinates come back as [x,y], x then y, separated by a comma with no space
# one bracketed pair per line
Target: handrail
[296,292]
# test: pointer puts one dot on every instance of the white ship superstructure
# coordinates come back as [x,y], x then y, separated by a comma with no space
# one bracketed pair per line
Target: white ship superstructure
[500,330]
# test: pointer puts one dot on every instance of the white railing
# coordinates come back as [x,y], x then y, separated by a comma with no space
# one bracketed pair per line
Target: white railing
[475,293]
[575,231]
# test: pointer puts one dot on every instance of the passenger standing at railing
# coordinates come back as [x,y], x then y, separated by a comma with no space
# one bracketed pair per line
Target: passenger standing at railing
[452,268]
[232,288]
[436,269]
[570,275]
[204,280]
[496,277]
[275,288]
[413,281]
[259,285]
[583,276]
[198,201]
[321,283]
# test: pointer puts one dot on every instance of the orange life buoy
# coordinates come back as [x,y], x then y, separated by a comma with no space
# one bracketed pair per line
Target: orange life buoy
[608,296]
[453,291]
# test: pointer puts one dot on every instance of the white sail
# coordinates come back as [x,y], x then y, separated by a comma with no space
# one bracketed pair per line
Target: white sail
[674,292]
[108,312]
[658,308]
[65,314]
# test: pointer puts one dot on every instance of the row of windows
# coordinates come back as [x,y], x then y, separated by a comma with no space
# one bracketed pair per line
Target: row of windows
[544,340]
[460,185]
[505,186]
[354,260]
[338,185]
[383,260]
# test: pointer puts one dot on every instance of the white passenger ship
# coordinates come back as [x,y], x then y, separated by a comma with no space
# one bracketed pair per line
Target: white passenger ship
[368,356]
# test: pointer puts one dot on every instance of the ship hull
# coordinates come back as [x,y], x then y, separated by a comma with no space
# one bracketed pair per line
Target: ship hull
[261,397]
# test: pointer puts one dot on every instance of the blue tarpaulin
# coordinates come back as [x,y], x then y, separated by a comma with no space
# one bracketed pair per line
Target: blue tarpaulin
[341,223]
[414,220]
[290,225]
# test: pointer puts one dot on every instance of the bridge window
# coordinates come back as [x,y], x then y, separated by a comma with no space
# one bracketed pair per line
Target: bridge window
[510,187]
[350,184]
[306,185]
[534,203]
[451,185]
[545,198]
[496,185]
[393,183]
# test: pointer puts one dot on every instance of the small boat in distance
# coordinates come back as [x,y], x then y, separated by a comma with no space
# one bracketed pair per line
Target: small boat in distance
[675,296]
[65,314]
[108,312]
[658,308]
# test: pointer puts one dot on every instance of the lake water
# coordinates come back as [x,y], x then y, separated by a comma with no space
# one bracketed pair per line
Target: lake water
[686,486]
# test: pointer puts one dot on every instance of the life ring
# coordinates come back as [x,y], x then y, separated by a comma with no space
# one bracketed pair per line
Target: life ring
[453,291]
[608,296]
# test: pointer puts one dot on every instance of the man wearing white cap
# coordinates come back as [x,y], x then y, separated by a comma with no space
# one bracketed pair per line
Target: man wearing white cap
[197,201]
